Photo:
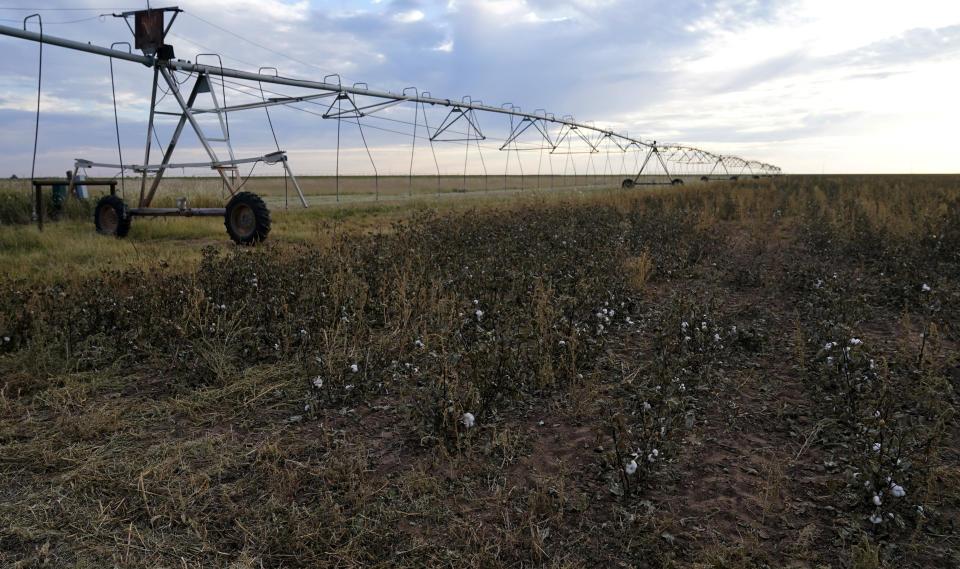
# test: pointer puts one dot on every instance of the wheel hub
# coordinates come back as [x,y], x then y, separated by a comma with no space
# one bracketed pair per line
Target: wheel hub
[243,219]
[108,219]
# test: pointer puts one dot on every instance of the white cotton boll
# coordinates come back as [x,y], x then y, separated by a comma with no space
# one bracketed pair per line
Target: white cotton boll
[686,338]
[703,326]
[655,452]
[479,314]
[562,343]
[418,344]
[872,364]
[631,467]
[646,406]
[348,387]
[925,288]
[876,500]
[6,338]
[716,337]
[468,420]
[877,447]
[354,368]
[876,518]
[651,458]
[898,491]
[683,326]
[318,382]
[476,302]
[303,332]
[855,341]
[876,414]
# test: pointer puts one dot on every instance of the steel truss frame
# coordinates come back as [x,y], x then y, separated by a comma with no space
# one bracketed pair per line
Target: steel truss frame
[462,112]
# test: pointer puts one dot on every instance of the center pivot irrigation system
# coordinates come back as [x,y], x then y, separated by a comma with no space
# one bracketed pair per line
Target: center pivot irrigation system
[246,216]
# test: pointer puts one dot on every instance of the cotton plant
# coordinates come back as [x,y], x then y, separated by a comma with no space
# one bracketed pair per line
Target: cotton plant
[657,421]
[888,464]
[604,317]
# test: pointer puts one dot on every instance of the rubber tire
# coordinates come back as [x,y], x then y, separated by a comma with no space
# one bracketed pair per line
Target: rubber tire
[734,178]
[704,179]
[627,183]
[676,182]
[247,219]
[112,206]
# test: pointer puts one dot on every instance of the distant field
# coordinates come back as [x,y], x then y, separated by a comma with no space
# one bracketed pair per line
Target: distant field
[761,373]
[68,243]
[276,189]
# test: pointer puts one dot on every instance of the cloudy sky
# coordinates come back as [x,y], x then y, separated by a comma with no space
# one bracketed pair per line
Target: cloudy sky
[809,85]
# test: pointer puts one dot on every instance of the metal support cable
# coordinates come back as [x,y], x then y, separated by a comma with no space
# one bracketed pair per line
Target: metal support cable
[36,130]
[483,164]
[116,122]
[433,150]
[413,146]
[337,177]
[376,174]
[273,132]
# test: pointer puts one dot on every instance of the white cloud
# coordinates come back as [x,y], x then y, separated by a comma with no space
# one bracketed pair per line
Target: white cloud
[272,9]
[409,16]
[833,85]
[533,18]
[446,46]
[817,28]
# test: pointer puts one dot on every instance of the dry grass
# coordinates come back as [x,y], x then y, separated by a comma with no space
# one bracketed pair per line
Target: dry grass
[166,406]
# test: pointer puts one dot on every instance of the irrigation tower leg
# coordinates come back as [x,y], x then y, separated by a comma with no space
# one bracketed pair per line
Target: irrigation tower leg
[146,153]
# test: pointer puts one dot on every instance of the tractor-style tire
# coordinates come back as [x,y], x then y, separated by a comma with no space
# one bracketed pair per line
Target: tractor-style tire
[247,218]
[627,183]
[112,217]
[676,182]
[704,179]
